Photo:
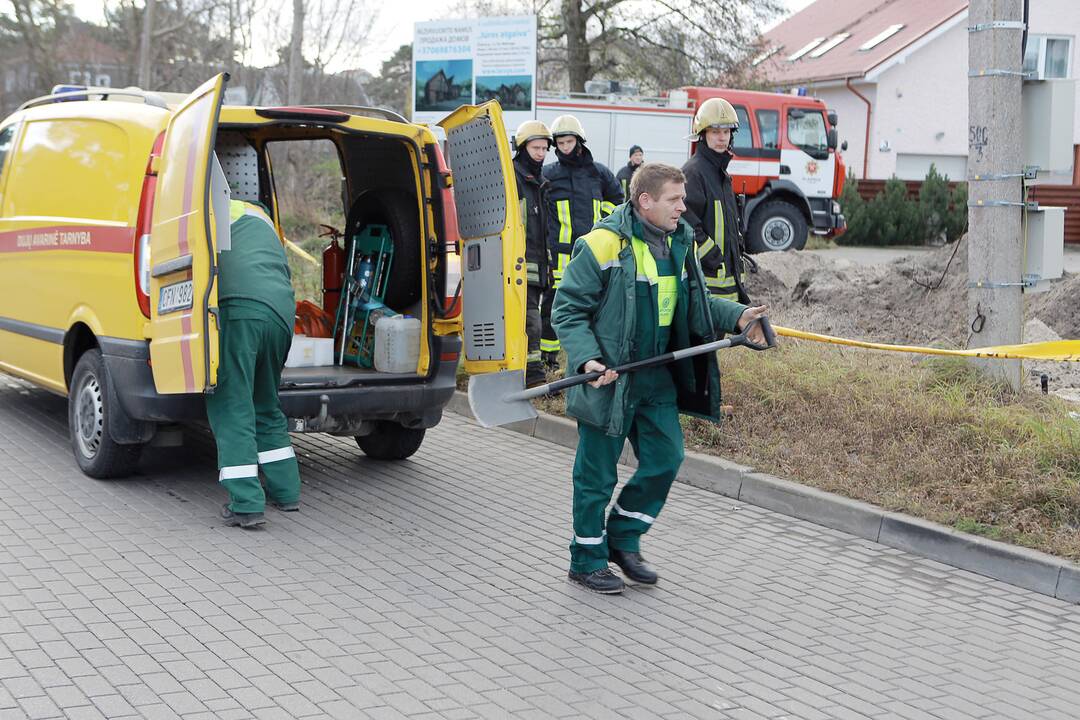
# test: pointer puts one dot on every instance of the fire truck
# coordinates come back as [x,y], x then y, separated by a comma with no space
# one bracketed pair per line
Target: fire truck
[786,164]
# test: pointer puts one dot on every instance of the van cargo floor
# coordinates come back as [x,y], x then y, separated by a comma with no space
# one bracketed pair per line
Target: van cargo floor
[337,376]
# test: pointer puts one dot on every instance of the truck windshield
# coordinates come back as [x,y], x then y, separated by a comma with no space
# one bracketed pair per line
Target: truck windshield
[806,130]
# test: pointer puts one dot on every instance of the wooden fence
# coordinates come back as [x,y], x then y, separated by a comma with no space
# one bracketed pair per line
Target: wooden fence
[1066,196]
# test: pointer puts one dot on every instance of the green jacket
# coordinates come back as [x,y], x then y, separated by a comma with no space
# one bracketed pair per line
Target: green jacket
[256,268]
[593,315]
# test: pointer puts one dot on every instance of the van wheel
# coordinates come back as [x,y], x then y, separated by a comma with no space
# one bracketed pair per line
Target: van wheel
[397,211]
[391,441]
[777,225]
[89,409]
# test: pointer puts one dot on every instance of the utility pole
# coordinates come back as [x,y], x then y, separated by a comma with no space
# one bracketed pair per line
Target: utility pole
[995,152]
[144,45]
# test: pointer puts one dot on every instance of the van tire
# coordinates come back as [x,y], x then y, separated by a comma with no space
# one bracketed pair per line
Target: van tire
[777,226]
[397,211]
[89,408]
[391,441]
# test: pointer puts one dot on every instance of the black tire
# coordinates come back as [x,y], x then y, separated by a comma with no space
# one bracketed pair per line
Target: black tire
[397,211]
[391,441]
[89,408]
[776,226]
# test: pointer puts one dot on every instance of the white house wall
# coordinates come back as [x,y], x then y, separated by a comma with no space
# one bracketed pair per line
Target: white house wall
[921,111]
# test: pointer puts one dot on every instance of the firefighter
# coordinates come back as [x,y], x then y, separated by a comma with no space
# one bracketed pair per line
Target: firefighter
[710,200]
[533,140]
[634,289]
[637,156]
[581,192]
[257,309]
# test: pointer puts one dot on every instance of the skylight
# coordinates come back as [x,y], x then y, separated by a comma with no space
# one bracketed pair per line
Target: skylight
[881,37]
[833,42]
[766,55]
[805,49]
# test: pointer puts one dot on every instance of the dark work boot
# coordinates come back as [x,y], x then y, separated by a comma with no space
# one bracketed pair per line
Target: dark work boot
[534,374]
[244,520]
[602,581]
[634,567]
[551,361]
[286,507]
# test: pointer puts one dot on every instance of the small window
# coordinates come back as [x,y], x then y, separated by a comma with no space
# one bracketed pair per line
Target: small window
[103,81]
[744,139]
[805,49]
[833,42]
[1048,58]
[881,37]
[768,122]
[766,55]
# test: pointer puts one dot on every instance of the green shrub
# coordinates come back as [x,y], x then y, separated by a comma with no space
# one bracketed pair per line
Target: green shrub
[893,218]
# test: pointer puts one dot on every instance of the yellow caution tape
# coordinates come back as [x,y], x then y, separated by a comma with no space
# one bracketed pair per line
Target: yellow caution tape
[1057,350]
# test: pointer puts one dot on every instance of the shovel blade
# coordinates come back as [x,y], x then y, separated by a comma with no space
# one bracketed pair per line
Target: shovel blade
[488,401]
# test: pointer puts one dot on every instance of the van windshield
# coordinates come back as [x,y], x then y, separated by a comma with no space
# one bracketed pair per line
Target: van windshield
[806,130]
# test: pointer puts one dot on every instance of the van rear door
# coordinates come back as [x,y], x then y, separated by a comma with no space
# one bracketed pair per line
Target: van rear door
[183,242]
[492,239]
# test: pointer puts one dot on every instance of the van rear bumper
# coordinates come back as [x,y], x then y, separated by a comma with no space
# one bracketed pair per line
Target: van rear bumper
[415,404]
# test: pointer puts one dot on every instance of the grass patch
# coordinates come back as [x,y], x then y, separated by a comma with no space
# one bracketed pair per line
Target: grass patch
[819,242]
[929,438]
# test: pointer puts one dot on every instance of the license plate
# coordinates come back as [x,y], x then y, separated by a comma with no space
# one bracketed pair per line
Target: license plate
[175,297]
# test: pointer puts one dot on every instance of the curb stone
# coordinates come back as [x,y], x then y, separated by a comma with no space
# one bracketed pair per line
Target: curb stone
[1030,569]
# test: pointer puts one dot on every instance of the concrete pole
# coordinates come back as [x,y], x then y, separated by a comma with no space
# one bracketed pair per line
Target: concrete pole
[995,243]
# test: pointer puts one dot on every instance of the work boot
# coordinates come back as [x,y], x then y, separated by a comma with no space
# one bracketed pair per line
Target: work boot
[534,374]
[286,507]
[602,581]
[244,520]
[551,361]
[634,567]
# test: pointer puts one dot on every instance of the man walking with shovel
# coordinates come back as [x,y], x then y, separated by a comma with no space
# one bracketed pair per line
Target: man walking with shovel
[634,289]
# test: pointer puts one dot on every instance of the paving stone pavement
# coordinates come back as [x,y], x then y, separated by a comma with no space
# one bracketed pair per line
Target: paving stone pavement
[435,588]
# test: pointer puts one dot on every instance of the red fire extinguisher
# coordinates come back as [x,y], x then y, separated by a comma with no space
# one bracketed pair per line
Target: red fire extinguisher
[333,258]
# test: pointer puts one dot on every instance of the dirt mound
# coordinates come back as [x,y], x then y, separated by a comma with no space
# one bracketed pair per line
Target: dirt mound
[916,299]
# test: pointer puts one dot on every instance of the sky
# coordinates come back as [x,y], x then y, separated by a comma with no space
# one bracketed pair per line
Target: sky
[393,28]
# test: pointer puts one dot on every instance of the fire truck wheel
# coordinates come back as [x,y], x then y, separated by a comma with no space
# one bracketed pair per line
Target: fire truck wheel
[89,407]
[777,225]
[391,441]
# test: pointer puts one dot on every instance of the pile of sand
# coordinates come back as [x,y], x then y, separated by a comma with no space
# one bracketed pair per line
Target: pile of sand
[892,303]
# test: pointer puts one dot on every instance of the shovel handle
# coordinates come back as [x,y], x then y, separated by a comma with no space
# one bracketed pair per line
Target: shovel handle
[733,341]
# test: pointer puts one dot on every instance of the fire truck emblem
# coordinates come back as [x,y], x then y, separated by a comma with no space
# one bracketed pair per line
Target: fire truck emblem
[812,167]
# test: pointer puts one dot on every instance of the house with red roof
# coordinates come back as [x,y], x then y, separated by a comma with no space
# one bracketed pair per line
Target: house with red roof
[896,72]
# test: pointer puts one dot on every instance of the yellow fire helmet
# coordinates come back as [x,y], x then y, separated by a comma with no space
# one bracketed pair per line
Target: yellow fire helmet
[568,125]
[532,130]
[714,113]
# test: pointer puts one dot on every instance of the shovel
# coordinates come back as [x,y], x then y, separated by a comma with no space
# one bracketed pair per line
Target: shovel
[497,398]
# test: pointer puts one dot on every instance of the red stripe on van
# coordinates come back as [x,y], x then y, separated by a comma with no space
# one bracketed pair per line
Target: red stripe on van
[189,185]
[87,238]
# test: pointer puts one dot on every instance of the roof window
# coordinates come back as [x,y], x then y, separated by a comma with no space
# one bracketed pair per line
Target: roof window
[833,42]
[766,55]
[881,37]
[805,49]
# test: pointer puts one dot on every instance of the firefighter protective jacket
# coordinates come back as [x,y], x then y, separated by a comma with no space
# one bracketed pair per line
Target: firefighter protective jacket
[532,197]
[713,213]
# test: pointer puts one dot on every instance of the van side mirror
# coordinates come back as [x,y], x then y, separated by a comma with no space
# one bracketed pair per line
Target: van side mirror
[832,138]
[832,118]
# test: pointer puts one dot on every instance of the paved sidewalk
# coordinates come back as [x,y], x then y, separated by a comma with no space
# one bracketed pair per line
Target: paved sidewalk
[435,588]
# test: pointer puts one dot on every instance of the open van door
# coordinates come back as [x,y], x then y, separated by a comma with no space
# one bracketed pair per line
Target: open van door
[492,239]
[183,242]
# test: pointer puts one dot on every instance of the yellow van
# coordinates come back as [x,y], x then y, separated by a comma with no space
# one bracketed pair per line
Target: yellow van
[109,232]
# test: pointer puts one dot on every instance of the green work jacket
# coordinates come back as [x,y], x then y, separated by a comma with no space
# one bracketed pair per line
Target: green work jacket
[594,315]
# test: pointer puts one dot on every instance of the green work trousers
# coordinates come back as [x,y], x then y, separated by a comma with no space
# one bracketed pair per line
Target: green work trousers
[251,431]
[657,439]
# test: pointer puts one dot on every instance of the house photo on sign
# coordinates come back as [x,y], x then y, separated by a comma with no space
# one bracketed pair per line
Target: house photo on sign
[462,62]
